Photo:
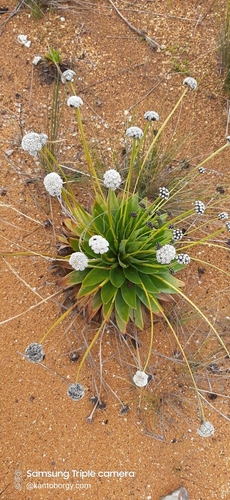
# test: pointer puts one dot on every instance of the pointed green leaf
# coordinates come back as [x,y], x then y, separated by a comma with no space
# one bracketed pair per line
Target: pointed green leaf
[117,276]
[128,292]
[113,202]
[138,317]
[96,275]
[121,307]
[142,296]
[74,243]
[100,224]
[149,283]
[122,246]
[96,301]
[120,323]
[108,308]
[165,287]
[172,280]
[144,267]
[87,290]
[132,275]
[76,277]
[107,292]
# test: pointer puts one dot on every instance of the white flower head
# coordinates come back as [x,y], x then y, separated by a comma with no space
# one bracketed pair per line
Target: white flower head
[76,391]
[165,254]
[36,60]
[223,216]
[183,258]
[68,76]
[206,429]
[199,207]
[34,353]
[53,184]
[79,261]
[151,116]
[228,226]
[99,244]
[23,40]
[228,138]
[74,101]
[191,82]
[134,132]
[33,142]
[112,179]
[140,378]
[164,193]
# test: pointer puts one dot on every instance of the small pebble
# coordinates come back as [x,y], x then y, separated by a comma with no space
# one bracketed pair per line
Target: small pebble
[9,152]
[23,39]
[180,494]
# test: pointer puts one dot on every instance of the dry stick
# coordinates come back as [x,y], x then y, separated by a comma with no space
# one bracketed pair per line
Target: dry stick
[17,8]
[141,33]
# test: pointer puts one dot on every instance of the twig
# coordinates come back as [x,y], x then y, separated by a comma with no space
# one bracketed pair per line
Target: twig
[152,43]
[17,8]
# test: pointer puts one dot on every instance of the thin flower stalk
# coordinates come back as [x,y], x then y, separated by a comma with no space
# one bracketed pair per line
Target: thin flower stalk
[186,361]
[89,348]
[96,184]
[202,240]
[210,157]
[48,155]
[59,320]
[157,137]
[200,313]
[111,219]
[151,330]
[128,180]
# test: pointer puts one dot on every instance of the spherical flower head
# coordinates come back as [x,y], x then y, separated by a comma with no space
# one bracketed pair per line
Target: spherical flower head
[34,353]
[151,116]
[74,101]
[140,378]
[53,184]
[76,391]
[134,132]
[112,179]
[68,76]
[191,82]
[99,244]
[201,170]
[33,142]
[165,254]
[183,258]
[199,207]
[164,193]
[223,216]
[206,429]
[228,226]
[79,261]
[177,234]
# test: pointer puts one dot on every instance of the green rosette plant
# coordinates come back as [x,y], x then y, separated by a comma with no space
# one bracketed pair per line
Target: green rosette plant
[123,254]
